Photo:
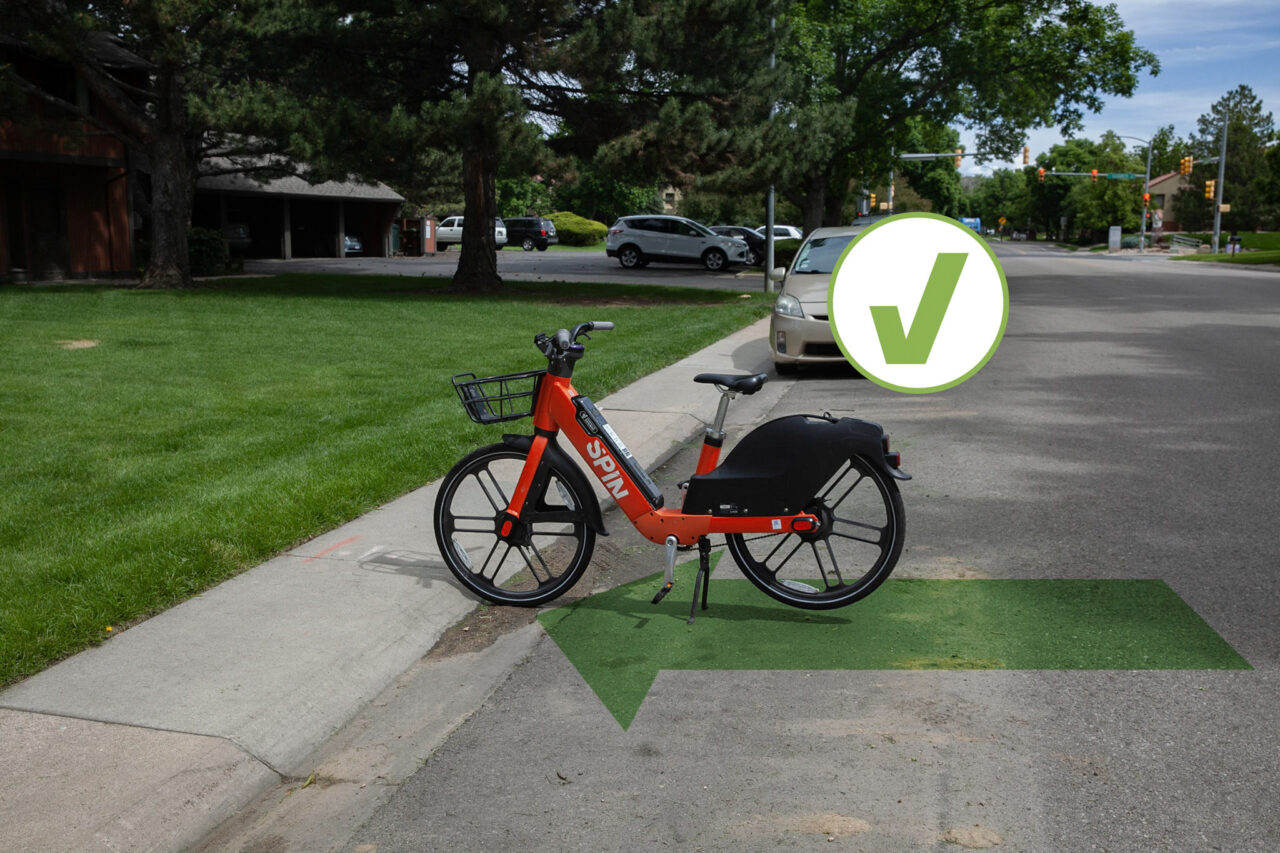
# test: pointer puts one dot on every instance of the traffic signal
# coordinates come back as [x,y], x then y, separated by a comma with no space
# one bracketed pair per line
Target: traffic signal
[1040,172]
[873,202]
[959,152]
[1185,165]
[1208,188]
[1026,154]
[1094,177]
[1146,199]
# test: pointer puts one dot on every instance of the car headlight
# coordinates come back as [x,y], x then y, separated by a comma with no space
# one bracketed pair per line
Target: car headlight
[788,306]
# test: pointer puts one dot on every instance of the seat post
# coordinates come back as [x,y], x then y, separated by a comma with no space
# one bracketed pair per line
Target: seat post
[716,430]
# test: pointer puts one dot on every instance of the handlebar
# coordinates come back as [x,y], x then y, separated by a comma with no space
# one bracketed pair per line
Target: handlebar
[562,348]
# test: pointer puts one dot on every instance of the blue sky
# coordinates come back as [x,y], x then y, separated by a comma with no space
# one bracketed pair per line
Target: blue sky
[1206,48]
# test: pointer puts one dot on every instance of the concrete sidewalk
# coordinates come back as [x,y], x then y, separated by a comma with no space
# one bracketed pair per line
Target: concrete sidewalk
[151,740]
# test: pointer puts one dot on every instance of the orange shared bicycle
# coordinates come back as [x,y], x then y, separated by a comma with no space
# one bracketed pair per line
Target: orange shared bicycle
[809,505]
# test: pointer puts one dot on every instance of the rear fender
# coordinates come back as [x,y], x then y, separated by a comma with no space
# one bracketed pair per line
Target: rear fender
[777,468]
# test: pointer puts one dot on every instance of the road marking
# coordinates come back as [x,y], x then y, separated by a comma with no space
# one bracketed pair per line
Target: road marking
[330,549]
[619,641]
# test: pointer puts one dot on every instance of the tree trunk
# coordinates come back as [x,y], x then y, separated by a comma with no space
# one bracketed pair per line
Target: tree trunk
[478,262]
[172,187]
[814,201]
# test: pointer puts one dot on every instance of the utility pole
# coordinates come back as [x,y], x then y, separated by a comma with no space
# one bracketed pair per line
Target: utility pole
[768,199]
[1222,167]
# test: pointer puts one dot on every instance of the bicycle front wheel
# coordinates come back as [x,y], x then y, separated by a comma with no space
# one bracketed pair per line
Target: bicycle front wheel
[540,559]
[854,549]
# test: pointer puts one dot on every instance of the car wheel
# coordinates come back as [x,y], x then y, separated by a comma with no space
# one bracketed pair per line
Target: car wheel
[630,257]
[527,244]
[753,258]
[715,260]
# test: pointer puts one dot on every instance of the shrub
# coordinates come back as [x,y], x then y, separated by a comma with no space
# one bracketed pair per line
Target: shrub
[784,252]
[573,230]
[207,252]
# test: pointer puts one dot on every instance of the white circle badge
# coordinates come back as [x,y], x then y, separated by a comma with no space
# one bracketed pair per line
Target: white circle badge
[918,303]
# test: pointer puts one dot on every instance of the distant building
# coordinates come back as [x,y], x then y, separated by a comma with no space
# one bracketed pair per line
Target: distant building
[65,186]
[1163,189]
[66,189]
[290,218]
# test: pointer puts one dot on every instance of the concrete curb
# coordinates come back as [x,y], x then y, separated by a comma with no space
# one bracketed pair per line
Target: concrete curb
[151,740]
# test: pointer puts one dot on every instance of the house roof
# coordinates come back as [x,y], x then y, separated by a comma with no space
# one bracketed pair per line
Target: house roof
[298,188]
[1175,176]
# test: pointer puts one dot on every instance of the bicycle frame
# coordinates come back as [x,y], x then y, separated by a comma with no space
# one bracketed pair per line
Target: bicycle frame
[559,409]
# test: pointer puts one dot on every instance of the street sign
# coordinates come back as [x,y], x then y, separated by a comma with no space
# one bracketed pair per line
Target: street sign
[1121,176]
[1002,220]
[1225,208]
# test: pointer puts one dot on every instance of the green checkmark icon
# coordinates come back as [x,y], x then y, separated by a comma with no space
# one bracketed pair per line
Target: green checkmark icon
[901,347]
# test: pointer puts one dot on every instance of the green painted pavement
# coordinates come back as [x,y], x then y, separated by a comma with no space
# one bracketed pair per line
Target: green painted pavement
[619,641]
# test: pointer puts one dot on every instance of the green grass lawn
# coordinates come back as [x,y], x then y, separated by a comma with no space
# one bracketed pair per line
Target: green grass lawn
[1266,256]
[155,443]
[1248,240]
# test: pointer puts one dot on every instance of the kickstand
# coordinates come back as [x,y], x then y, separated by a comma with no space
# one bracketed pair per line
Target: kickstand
[703,579]
[670,577]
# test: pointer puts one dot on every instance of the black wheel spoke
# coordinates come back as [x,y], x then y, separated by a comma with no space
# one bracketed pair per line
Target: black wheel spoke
[485,565]
[786,559]
[496,487]
[843,559]
[552,539]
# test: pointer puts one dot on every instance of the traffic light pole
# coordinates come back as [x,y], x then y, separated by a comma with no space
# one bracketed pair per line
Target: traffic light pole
[1146,195]
[1222,166]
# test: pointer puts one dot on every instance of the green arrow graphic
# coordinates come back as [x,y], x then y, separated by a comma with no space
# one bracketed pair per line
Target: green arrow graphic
[914,348]
[619,641]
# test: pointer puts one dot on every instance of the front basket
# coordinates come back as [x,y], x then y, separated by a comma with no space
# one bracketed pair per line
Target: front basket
[498,398]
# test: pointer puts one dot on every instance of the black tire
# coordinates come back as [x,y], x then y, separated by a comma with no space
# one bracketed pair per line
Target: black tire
[630,257]
[715,260]
[753,257]
[550,548]
[854,551]
[527,244]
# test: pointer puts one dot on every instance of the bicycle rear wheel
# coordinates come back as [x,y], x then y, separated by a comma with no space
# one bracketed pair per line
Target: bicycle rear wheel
[855,548]
[540,559]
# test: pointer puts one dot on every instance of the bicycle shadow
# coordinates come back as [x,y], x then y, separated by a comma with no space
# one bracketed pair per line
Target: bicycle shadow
[427,569]
[734,600]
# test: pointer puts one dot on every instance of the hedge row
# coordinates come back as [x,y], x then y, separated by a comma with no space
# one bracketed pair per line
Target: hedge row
[573,230]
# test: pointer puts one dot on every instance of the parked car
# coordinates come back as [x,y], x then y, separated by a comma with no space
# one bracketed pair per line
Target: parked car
[531,232]
[755,243]
[783,232]
[449,232]
[799,331]
[351,245]
[637,240]
[236,236]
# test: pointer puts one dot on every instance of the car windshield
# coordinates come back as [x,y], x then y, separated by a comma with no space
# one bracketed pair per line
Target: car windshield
[701,229]
[820,254]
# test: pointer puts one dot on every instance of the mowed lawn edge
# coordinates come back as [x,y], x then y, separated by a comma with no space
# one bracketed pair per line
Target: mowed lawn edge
[156,443]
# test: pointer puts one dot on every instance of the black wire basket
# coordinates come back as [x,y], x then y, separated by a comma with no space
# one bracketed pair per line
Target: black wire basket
[498,398]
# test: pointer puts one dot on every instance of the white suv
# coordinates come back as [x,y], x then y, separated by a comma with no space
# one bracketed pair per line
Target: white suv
[637,240]
[449,232]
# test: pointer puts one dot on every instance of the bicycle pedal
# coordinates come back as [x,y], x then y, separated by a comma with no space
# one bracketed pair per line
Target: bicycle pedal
[662,593]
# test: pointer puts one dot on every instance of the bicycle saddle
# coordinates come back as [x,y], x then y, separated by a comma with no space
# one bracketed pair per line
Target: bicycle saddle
[734,382]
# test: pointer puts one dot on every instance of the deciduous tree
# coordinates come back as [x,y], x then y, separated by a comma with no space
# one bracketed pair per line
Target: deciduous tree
[999,67]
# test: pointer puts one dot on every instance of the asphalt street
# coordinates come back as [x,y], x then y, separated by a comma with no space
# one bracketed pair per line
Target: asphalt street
[1126,428]
[517,265]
